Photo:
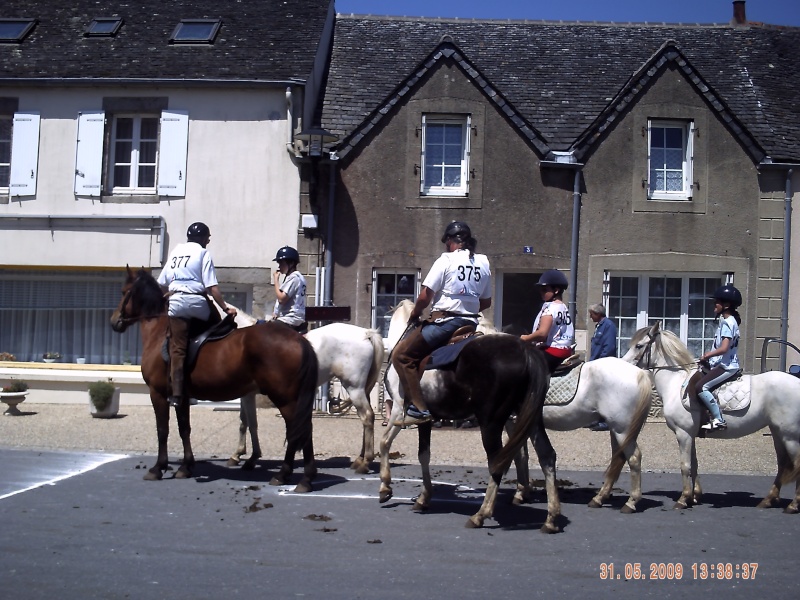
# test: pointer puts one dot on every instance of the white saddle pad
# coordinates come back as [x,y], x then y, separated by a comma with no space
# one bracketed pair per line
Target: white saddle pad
[563,389]
[731,395]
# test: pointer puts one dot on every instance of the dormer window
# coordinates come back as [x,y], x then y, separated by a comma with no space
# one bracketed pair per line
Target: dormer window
[195,31]
[15,30]
[104,27]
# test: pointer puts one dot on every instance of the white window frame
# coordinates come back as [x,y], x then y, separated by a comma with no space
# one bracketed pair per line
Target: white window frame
[687,152]
[24,159]
[644,319]
[463,121]
[171,155]
[415,272]
[4,188]
[133,161]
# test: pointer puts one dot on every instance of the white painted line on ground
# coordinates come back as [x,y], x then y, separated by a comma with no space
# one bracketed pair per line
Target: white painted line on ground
[106,458]
[288,490]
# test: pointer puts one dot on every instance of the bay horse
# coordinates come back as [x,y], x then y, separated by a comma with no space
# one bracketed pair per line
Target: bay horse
[608,388]
[774,403]
[352,354]
[271,359]
[495,377]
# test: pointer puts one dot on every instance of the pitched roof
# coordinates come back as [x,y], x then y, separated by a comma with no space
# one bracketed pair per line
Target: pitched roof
[266,40]
[562,78]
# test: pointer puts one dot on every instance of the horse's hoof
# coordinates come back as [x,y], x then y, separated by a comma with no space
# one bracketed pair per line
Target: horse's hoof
[790,510]
[766,503]
[183,473]
[304,487]
[680,505]
[153,474]
[419,507]
[249,465]
[549,528]
[232,462]
[277,481]
[517,501]
[627,509]
[595,504]
[385,496]
[361,469]
[473,523]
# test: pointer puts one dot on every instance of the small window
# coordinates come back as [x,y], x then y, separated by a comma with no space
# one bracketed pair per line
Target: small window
[104,27]
[670,160]
[15,30]
[389,287]
[445,155]
[195,31]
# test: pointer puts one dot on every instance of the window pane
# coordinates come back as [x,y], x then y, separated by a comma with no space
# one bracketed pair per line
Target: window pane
[147,176]
[122,152]
[452,176]
[673,286]
[657,137]
[452,155]
[147,152]
[149,130]
[695,347]
[124,128]
[386,283]
[405,285]
[122,176]
[673,159]
[673,137]
[5,176]
[5,152]
[434,134]
[453,134]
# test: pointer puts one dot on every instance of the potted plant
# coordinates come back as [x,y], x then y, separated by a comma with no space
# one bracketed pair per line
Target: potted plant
[7,356]
[103,399]
[51,357]
[12,394]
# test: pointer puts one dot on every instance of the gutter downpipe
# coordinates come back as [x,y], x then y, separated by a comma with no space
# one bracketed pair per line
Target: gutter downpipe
[573,261]
[787,246]
[328,297]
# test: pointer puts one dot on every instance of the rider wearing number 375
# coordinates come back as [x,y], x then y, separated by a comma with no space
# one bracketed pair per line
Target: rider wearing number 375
[459,285]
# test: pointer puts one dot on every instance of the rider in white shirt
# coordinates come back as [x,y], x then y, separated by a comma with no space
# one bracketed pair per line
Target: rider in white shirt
[722,359]
[189,277]
[553,329]
[290,305]
[459,286]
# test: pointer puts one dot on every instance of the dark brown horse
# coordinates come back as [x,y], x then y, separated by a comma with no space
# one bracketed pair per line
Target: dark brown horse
[269,358]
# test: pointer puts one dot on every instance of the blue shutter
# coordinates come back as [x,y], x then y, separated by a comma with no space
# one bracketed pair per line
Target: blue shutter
[173,147]
[24,154]
[89,153]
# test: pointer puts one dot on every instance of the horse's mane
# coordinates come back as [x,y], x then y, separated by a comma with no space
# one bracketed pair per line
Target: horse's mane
[674,351]
[149,294]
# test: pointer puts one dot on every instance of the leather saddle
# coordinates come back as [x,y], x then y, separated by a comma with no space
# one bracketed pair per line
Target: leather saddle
[199,334]
[447,355]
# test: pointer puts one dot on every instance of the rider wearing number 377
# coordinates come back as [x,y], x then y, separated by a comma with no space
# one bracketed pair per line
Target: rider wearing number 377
[459,285]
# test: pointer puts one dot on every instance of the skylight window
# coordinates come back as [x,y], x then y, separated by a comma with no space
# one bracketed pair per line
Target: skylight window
[15,30]
[195,31]
[104,27]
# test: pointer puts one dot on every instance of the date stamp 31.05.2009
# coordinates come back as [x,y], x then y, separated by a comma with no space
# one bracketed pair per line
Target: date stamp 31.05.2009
[724,571]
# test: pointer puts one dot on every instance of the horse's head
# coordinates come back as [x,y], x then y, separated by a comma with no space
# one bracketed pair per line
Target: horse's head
[640,351]
[141,298]
[653,347]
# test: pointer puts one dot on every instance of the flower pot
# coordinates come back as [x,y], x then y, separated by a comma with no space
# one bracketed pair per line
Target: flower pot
[111,409]
[49,360]
[12,399]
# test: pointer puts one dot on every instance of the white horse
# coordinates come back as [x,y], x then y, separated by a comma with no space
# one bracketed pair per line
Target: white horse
[352,354]
[774,403]
[608,389]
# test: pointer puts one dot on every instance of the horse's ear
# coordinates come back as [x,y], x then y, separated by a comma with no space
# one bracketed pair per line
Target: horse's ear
[128,268]
[656,328]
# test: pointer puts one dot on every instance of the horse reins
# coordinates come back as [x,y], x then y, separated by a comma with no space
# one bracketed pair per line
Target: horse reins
[646,356]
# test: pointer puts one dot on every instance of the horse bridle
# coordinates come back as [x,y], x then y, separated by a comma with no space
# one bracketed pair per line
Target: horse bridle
[646,355]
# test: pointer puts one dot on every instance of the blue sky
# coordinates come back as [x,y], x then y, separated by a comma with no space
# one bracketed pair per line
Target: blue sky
[775,12]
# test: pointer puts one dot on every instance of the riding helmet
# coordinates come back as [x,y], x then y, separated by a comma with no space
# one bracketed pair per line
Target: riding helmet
[728,293]
[458,230]
[287,253]
[198,232]
[555,278]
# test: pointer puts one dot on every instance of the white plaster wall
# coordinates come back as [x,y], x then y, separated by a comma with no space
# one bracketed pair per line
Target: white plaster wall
[794,274]
[241,181]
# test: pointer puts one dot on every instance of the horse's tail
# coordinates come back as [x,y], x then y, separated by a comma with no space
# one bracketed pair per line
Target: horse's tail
[378,351]
[643,403]
[298,431]
[530,410]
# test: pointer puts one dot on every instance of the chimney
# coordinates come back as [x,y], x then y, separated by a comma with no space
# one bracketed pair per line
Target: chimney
[739,16]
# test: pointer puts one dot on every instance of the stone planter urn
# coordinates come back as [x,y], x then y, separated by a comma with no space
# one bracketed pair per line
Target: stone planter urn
[103,401]
[12,399]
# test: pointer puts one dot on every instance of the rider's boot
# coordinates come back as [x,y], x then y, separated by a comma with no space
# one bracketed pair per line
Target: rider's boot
[717,422]
[406,358]
[179,338]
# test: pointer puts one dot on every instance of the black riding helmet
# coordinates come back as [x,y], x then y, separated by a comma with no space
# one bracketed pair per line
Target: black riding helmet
[728,293]
[198,232]
[287,253]
[555,278]
[458,230]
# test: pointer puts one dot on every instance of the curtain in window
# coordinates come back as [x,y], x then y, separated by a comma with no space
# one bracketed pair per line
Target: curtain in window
[68,313]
